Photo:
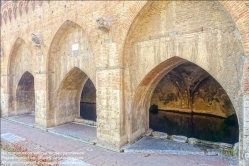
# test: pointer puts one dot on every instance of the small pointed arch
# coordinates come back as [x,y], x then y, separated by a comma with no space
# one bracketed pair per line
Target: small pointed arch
[25,94]
[5,17]
[10,14]
[15,11]
[20,8]
[26,77]
[33,4]
[26,7]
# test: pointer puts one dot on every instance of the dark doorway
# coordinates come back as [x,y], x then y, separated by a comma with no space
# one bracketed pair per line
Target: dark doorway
[88,102]
[189,101]
[25,94]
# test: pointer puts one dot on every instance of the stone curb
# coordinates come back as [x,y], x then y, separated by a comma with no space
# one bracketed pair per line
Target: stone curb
[23,123]
[164,152]
[108,148]
[177,152]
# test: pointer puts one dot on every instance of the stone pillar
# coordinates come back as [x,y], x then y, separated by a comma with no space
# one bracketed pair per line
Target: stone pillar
[40,83]
[109,95]
[4,96]
[109,107]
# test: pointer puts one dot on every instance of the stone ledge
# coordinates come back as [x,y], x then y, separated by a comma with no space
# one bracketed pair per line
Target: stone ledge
[84,121]
[109,148]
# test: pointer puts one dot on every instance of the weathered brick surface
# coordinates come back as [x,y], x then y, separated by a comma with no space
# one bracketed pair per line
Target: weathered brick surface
[126,63]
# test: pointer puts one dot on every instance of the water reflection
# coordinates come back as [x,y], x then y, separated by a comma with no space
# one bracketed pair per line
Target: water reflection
[205,127]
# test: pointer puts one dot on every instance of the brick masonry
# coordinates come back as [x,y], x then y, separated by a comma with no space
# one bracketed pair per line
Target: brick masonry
[146,40]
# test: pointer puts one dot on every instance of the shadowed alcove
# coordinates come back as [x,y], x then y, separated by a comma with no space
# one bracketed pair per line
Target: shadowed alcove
[88,102]
[189,101]
[25,94]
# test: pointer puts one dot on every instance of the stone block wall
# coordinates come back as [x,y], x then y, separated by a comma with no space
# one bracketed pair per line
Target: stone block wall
[145,41]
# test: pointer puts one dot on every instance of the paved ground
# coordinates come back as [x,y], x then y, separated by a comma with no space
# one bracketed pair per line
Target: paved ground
[164,146]
[89,154]
[11,159]
[77,130]
[73,129]
[24,118]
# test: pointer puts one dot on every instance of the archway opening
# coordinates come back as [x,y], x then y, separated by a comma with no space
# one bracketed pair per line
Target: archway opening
[73,100]
[25,94]
[188,101]
[88,102]
[68,99]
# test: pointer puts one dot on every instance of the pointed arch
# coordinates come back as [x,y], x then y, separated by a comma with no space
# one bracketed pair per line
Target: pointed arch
[147,47]
[25,94]
[20,60]
[19,42]
[68,96]
[61,60]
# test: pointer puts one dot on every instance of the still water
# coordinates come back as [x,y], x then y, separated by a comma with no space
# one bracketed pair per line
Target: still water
[204,127]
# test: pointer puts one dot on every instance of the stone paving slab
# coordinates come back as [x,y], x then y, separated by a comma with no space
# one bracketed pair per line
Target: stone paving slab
[56,148]
[149,144]
[74,162]
[86,132]
[12,138]
[28,119]
[10,159]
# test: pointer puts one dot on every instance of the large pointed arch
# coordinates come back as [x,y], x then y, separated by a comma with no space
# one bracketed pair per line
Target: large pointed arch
[152,41]
[20,60]
[61,59]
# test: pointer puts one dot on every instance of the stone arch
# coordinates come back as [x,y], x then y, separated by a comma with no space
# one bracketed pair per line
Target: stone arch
[151,50]
[61,59]
[68,96]
[20,60]
[25,94]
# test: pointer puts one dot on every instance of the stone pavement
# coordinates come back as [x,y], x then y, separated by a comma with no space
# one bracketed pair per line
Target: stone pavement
[10,159]
[46,147]
[27,119]
[73,129]
[149,144]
